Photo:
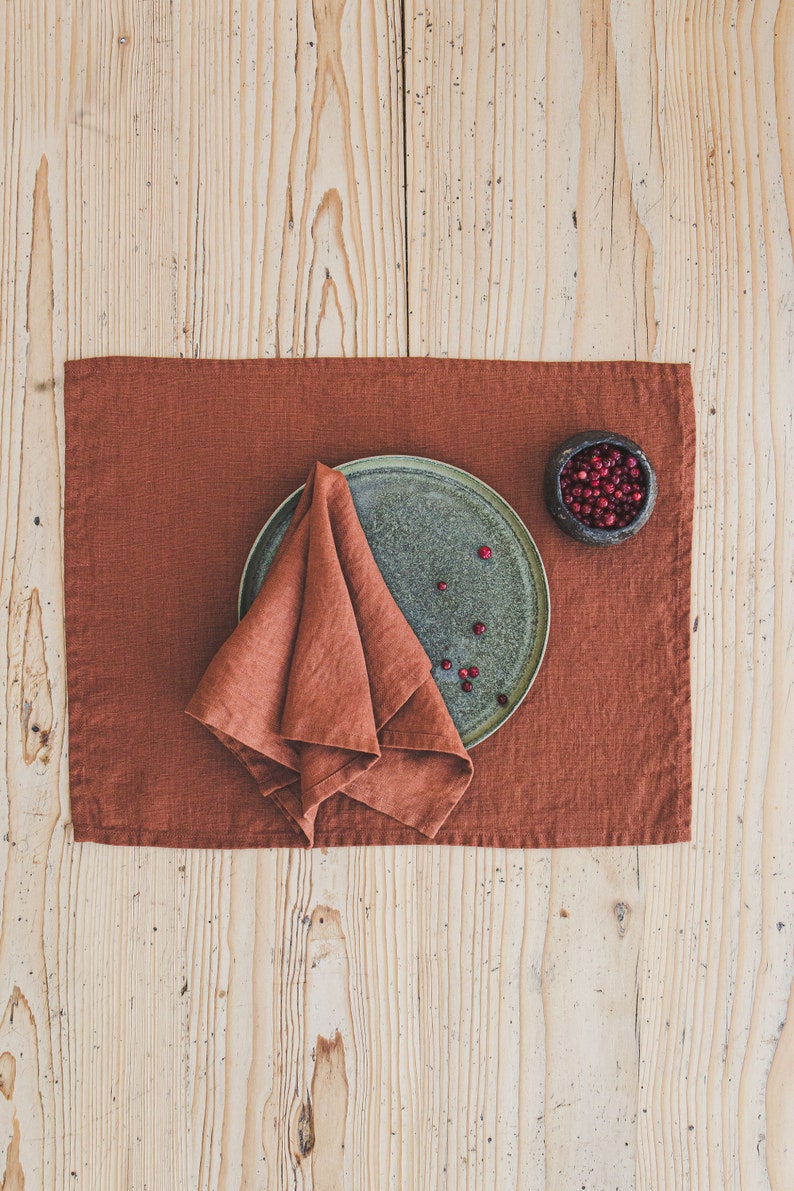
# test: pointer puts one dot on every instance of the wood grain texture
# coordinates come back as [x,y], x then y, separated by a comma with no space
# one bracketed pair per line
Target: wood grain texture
[517,180]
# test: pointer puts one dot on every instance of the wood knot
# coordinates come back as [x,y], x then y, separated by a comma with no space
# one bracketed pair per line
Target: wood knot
[326,923]
[306,1127]
[622,915]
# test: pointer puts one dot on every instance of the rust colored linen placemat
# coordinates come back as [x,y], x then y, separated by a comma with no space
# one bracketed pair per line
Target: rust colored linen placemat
[172,468]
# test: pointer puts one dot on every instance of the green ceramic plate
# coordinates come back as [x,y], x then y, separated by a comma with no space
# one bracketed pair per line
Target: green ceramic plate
[425,522]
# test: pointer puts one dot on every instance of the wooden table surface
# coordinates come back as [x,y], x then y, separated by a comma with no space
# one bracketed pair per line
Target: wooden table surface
[516,179]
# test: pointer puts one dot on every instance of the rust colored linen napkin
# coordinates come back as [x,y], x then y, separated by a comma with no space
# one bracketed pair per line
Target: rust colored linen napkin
[173,467]
[323,688]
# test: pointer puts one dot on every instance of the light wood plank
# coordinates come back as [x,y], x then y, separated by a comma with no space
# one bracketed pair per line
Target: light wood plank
[172,233]
[568,139]
[657,149]
[716,962]
[35,703]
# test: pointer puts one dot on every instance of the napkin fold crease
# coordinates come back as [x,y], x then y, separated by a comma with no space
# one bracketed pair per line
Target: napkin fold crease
[323,688]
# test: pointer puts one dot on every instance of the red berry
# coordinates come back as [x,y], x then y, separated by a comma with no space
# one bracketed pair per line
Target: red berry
[463,673]
[446,664]
[441,586]
[478,628]
[467,686]
[485,551]
[615,486]
[473,672]
[501,699]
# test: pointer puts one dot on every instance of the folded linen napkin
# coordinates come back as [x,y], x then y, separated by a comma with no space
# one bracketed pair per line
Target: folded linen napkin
[323,687]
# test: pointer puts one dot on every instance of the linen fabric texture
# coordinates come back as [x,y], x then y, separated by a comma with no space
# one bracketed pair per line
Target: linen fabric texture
[172,468]
[324,688]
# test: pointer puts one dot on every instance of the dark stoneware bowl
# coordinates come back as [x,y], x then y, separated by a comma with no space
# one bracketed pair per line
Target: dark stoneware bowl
[566,520]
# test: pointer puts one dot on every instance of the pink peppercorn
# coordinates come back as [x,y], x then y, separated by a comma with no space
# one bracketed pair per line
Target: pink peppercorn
[604,486]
